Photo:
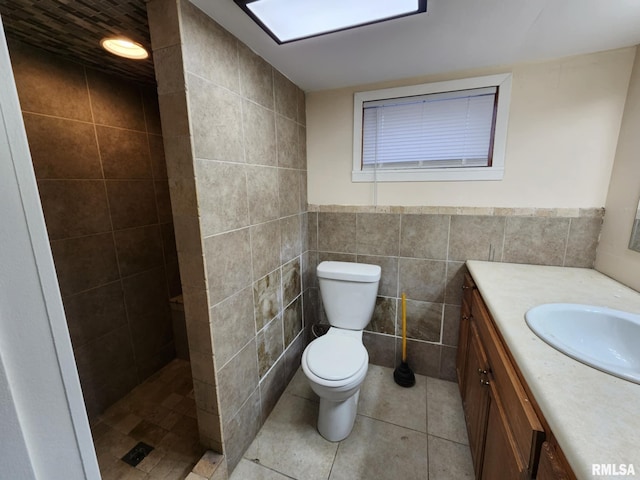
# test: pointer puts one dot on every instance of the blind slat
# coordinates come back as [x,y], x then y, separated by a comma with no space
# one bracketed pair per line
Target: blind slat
[450,127]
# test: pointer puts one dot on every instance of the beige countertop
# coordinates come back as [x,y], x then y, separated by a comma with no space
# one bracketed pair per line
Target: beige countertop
[594,416]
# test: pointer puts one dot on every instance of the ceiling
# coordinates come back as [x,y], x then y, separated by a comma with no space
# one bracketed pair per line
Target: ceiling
[452,35]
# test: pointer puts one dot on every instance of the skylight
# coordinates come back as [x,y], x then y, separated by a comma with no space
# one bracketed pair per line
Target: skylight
[290,20]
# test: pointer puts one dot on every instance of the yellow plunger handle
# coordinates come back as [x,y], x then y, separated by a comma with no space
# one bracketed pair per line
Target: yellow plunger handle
[404,327]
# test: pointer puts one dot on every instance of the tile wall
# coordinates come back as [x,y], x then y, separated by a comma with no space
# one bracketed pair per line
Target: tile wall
[98,156]
[235,137]
[422,253]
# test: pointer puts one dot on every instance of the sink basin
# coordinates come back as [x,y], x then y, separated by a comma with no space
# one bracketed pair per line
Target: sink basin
[600,337]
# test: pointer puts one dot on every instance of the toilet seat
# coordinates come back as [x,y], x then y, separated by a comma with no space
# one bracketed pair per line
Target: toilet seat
[334,357]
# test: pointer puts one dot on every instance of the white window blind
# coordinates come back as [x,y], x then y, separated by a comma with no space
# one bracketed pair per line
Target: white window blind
[449,129]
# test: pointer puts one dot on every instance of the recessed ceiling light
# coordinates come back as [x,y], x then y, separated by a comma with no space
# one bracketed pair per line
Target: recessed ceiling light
[290,20]
[123,47]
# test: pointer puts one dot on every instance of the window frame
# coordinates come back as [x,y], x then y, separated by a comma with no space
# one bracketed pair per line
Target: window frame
[493,172]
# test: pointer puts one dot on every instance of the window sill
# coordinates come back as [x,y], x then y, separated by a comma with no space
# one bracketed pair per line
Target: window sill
[432,175]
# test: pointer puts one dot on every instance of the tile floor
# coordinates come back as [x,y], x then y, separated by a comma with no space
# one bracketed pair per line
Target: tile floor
[400,433]
[160,412]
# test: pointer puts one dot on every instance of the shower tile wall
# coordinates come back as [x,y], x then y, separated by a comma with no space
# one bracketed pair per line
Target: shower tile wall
[423,255]
[235,136]
[97,152]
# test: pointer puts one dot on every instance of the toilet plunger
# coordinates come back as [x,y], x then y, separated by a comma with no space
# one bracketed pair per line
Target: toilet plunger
[403,375]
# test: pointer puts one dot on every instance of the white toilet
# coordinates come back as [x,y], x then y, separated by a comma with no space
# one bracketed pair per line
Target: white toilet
[337,362]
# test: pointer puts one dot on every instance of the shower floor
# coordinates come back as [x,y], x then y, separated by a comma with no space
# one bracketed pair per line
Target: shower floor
[160,412]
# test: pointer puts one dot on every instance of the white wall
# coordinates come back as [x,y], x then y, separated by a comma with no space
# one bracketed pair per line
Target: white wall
[613,256]
[563,128]
[45,432]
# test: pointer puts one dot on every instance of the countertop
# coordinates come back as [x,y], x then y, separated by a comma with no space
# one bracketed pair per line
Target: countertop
[594,416]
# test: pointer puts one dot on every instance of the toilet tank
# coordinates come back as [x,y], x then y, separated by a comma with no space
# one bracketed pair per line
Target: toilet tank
[348,292]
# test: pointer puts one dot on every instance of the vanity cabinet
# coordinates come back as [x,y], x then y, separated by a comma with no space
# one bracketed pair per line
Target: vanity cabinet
[505,432]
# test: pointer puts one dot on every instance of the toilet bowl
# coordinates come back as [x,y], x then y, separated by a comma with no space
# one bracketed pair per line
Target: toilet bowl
[336,363]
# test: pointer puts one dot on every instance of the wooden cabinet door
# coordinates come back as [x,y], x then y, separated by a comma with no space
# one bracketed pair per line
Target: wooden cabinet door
[476,397]
[501,457]
[463,336]
[550,466]
[463,348]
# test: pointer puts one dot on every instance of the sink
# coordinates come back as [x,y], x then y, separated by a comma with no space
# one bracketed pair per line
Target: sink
[600,337]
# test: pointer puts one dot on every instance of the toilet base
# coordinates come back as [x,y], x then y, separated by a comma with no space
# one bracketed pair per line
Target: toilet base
[336,419]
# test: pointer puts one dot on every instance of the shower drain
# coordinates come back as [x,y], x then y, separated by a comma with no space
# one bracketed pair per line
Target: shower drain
[134,456]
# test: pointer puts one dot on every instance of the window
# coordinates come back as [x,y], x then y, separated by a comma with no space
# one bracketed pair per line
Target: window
[444,131]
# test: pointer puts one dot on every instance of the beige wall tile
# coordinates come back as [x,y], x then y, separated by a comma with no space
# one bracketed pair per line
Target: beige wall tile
[292,321]
[381,349]
[209,50]
[265,248]
[291,281]
[583,239]
[383,319]
[422,279]
[286,96]
[287,142]
[237,380]
[205,396]
[267,298]
[337,232]
[169,67]
[424,321]
[476,237]
[179,157]
[536,240]
[424,236]
[175,114]
[228,261]
[377,234]
[163,23]
[272,385]
[216,121]
[422,357]
[262,186]
[256,77]
[259,127]
[222,196]
[242,429]
[232,324]
[289,191]
[291,241]
[389,275]
[270,342]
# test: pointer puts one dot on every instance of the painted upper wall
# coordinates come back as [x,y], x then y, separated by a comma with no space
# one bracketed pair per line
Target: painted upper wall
[563,129]
[614,257]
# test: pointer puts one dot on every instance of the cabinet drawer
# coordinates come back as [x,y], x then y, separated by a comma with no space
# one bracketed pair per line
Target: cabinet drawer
[526,429]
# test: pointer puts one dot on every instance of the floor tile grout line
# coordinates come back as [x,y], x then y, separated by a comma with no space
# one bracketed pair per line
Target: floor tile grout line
[448,440]
[391,423]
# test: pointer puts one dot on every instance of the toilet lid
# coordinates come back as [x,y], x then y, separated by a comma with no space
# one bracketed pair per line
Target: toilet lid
[333,357]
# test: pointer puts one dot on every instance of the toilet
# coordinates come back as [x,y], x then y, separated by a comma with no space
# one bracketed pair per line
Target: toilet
[336,363]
